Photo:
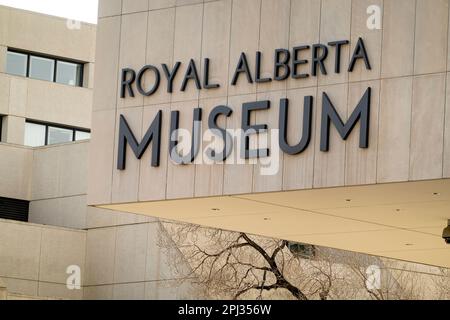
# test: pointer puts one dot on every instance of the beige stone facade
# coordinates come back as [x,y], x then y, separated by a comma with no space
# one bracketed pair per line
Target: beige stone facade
[117,253]
[408,79]
[25,98]
[390,199]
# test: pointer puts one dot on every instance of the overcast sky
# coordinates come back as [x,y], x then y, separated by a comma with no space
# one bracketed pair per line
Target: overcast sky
[81,10]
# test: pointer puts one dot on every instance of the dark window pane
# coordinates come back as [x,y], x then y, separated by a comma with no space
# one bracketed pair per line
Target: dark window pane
[68,73]
[41,68]
[81,135]
[59,135]
[34,135]
[16,64]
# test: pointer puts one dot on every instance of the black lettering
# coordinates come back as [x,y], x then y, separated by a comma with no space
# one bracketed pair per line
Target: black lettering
[126,136]
[195,140]
[282,64]
[226,137]
[206,83]
[247,109]
[191,74]
[359,53]
[156,84]
[242,67]
[307,123]
[125,84]
[297,62]
[330,115]
[319,59]
[258,78]
[338,45]
[170,75]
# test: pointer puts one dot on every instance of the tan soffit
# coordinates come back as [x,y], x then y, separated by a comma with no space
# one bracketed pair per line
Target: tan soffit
[398,220]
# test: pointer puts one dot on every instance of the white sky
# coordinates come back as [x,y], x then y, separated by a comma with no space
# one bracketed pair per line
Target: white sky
[81,10]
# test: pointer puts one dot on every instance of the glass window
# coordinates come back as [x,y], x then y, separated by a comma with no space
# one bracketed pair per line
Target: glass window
[37,67]
[34,135]
[81,135]
[301,250]
[59,135]
[37,135]
[68,73]
[16,63]
[41,68]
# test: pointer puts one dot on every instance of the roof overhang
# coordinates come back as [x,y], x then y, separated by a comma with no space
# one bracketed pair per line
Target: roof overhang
[397,220]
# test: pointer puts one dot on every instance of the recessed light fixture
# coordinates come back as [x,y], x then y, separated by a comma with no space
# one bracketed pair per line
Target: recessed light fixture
[348,200]
[436,194]
[409,244]
[215,209]
[267,219]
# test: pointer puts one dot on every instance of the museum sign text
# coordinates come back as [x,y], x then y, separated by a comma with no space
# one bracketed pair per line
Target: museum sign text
[286,64]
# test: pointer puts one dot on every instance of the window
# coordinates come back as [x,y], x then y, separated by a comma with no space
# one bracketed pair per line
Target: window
[35,134]
[44,68]
[16,63]
[301,250]
[68,73]
[41,68]
[14,209]
[82,135]
[59,135]
[41,134]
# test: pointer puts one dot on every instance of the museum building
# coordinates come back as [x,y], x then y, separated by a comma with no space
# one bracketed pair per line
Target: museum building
[324,122]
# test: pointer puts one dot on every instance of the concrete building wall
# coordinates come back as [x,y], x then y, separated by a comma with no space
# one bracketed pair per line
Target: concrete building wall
[42,33]
[117,251]
[15,171]
[24,98]
[409,58]
[34,259]
[59,185]
[124,260]
[118,255]
[120,258]
[52,178]
[21,99]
